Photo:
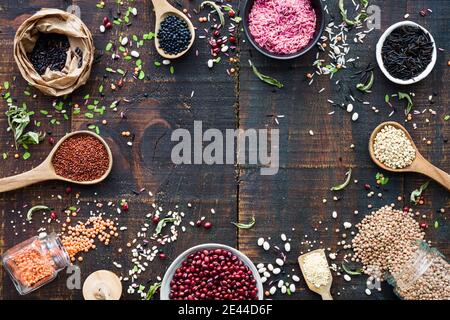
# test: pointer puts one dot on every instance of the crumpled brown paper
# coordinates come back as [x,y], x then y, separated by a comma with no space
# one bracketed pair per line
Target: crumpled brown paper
[55,83]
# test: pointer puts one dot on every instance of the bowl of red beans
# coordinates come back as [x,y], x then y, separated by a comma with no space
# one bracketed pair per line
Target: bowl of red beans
[283,29]
[212,271]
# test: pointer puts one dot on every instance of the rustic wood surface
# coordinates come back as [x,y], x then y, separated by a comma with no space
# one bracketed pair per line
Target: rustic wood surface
[289,202]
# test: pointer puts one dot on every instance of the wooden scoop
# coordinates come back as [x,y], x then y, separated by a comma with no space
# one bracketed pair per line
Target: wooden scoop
[162,10]
[45,171]
[419,165]
[324,290]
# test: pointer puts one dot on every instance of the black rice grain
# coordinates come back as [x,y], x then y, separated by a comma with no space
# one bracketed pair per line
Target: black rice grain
[50,51]
[407,52]
[174,35]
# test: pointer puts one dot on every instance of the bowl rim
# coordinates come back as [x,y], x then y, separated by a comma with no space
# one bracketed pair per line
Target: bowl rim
[379,58]
[320,28]
[165,284]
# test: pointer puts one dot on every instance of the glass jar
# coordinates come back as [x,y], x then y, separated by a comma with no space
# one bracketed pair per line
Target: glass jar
[35,262]
[426,276]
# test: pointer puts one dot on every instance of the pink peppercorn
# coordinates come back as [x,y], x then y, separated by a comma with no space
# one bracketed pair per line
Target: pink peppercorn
[207,225]
[53,215]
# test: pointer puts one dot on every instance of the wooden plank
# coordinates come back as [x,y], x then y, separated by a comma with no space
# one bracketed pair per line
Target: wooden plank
[311,164]
[157,106]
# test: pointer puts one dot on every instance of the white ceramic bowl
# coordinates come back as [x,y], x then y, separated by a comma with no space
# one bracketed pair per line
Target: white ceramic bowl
[380,43]
[165,285]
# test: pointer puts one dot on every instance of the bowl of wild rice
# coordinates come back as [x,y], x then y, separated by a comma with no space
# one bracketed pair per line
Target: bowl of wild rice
[283,29]
[406,53]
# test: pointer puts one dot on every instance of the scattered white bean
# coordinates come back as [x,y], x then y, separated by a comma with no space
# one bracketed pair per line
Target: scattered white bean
[266,245]
[287,247]
[279,262]
[292,288]
[276,271]
[260,241]
[347,278]
[124,41]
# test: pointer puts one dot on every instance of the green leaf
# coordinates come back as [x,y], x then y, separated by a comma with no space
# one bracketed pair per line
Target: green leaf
[162,223]
[365,87]
[216,8]
[34,209]
[6,85]
[447,117]
[172,69]
[245,225]
[89,115]
[152,290]
[141,75]
[346,182]
[265,78]
[350,272]
[100,89]
[157,63]
[26,155]
[415,195]
[409,105]
[436,224]
[108,46]
[387,98]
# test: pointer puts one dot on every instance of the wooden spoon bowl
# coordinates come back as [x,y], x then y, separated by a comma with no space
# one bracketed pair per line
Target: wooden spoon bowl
[162,10]
[419,164]
[324,290]
[45,171]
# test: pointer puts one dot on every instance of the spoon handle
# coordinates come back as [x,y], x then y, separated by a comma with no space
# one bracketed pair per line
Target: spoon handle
[38,174]
[437,174]
[161,6]
[326,295]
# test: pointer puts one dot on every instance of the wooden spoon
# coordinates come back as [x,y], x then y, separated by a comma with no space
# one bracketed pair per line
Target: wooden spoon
[419,164]
[162,10]
[324,290]
[45,171]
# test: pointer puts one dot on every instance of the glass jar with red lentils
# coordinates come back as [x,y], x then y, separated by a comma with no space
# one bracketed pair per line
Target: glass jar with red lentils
[35,262]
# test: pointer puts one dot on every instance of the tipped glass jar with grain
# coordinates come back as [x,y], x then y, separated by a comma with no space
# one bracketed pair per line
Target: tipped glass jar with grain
[35,262]
[425,276]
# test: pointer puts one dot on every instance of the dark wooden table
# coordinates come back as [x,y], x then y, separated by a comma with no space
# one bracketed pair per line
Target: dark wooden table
[292,199]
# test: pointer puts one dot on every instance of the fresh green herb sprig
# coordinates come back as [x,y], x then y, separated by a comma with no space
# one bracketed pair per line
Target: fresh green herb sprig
[162,223]
[416,194]
[359,17]
[381,179]
[365,87]
[346,182]
[245,225]
[152,290]
[264,78]
[18,119]
[216,8]
[34,209]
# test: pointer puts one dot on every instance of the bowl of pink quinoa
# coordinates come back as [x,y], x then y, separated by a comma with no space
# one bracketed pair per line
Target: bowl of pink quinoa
[283,29]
